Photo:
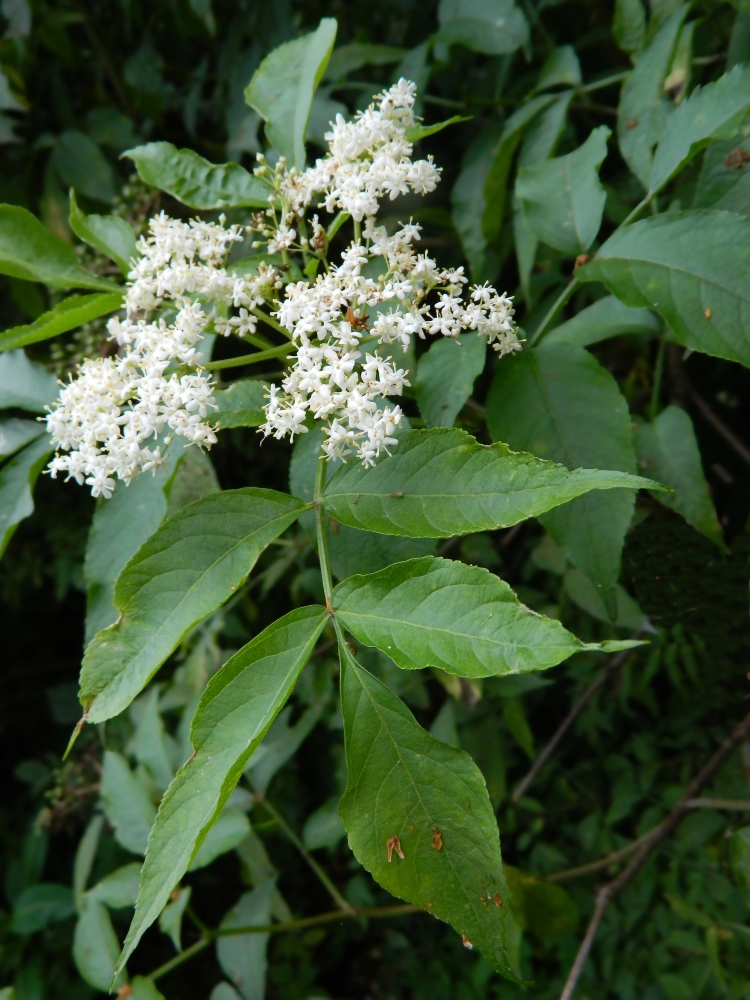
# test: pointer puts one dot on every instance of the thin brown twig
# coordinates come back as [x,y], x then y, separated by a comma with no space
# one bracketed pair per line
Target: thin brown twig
[718,425]
[652,841]
[612,667]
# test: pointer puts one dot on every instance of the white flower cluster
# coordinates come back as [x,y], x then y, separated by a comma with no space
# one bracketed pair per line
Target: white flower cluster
[369,157]
[106,420]
[330,319]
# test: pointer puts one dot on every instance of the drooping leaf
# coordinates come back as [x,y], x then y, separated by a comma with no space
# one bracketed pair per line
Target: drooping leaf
[235,712]
[30,251]
[16,434]
[542,401]
[283,86]
[127,803]
[494,27]
[243,956]
[541,907]
[119,527]
[109,234]
[170,918]
[95,947]
[25,384]
[196,182]
[715,111]
[418,816]
[118,889]
[623,612]
[441,482]
[445,377]
[691,267]
[416,132]
[152,745]
[561,68]
[240,404]
[433,612]
[229,830]
[723,182]
[66,315]
[144,988]
[644,110]
[84,859]
[354,56]
[191,565]
[324,827]
[41,904]
[80,164]
[668,451]
[17,479]
[604,319]
[563,199]
[629,26]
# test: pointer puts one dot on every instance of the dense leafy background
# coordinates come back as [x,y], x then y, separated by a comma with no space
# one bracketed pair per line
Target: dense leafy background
[88,81]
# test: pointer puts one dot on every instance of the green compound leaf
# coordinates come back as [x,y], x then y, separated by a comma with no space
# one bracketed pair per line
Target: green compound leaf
[724,181]
[95,947]
[109,234]
[283,87]
[234,714]
[240,404]
[604,319]
[712,112]
[196,182]
[644,109]
[30,251]
[416,132]
[563,200]
[441,482]
[667,450]
[433,612]
[17,479]
[66,315]
[418,816]
[190,566]
[446,375]
[542,401]
[691,267]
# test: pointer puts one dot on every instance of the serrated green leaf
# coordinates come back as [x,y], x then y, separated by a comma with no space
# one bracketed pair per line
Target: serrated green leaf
[723,183]
[150,742]
[348,58]
[441,482]
[403,785]
[25,384]
[196,182]
[17,479]
[433,612]
[668,450]
[41,904]
[691,267]
[283,86]
[16,434]
[715,111]
[127,803]
[563,200]
[66,315]
[118,889]
[644,110]
[170,918]
[234,714]
[229,830]
[243,956]
[191,565]
[542,401]
[629,26]
[95,947]
[30,251]
[416,132]
[241,404]
[446,375]
[494,27]
[109,234]
[604,319]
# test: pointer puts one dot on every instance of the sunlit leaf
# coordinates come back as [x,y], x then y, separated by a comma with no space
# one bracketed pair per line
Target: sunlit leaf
[66,315]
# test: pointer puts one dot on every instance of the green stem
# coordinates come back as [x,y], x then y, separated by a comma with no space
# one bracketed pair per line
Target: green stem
[559,303]
[653,410]
[322,534]
[354,912]
[259,341]
[357,231]
[248,359]
[271,321]
[606,82]
[333,892]
[637,210]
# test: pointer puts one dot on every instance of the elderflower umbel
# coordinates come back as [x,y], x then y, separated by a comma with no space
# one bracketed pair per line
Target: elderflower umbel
[106,420]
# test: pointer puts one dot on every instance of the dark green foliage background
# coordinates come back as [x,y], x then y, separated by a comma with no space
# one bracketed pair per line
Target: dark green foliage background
[127,71]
